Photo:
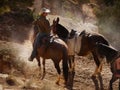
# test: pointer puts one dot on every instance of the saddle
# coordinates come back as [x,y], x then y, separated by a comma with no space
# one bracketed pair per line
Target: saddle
[72,33]
[46,40]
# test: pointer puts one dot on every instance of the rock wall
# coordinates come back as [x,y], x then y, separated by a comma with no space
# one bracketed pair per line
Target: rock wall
[66,8]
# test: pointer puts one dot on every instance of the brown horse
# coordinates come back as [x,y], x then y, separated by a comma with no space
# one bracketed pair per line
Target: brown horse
[113,57]
[82,44]
[56,50]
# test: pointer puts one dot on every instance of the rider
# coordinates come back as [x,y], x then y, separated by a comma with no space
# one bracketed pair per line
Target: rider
[44,29]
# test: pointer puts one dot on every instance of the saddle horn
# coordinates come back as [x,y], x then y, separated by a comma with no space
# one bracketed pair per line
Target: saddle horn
[83,32]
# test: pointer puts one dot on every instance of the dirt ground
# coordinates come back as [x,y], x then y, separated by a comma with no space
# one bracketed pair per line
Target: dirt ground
[25,75]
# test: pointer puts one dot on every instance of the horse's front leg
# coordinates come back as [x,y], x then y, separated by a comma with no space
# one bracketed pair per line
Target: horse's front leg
[94,78]
[71,63]
[39,65]
[44,72]
[98,69]
[71,71]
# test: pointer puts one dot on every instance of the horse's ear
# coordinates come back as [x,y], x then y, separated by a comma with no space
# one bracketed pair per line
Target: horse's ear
[58,19]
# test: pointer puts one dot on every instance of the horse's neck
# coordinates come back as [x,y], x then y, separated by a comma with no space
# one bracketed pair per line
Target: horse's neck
[52,33]
[61,31]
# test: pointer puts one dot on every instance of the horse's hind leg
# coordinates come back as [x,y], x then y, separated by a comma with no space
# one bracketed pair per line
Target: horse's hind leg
[119,83]
[39,64]
[58,71]
[70,63]
[101,81]
[95,81]
[113,79]
[99,76]
[98,64]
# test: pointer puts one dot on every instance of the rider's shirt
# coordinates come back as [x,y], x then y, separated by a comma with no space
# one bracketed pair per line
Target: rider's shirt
[43,23]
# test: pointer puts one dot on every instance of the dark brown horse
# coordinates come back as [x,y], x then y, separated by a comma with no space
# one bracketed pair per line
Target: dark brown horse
[113,57]
[83,43]
[56,50]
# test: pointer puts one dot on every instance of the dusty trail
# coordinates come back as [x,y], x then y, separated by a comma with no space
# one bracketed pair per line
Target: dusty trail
[82,81]
[27,72]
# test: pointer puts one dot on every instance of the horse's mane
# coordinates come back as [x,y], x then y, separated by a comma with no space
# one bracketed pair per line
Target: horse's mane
[61,31]
[109,52]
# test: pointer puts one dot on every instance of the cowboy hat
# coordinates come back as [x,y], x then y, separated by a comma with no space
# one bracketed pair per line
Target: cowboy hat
[45,10]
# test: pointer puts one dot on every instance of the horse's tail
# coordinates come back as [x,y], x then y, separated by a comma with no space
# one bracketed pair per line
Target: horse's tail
[65,64]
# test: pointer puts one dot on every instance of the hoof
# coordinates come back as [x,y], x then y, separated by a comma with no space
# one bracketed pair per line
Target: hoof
[42,78]
[57,82]
[30,59]
[95,81]
[93,77]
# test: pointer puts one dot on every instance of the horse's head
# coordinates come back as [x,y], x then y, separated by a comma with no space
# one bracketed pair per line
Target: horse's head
[55,22]
[54,25]
[59,29]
